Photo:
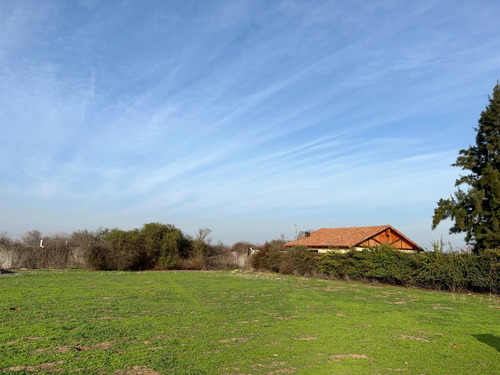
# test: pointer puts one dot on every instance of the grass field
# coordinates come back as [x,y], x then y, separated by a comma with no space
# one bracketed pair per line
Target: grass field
[239,323]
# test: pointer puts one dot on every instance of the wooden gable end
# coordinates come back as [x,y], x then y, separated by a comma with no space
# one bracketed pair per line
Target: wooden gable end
[388,237]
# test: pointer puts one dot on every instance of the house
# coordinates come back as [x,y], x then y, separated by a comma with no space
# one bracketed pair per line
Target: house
[342,239]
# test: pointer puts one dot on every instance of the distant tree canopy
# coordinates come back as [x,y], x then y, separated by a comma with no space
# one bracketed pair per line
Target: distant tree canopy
[476,210]
[154,244]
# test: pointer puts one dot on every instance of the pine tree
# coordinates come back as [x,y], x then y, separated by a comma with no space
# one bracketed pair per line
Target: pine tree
[476,210]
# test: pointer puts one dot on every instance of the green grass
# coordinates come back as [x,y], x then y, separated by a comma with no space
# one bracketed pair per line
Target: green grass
[239,323]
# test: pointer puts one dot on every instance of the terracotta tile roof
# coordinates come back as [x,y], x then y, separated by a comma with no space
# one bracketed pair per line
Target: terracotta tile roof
[341,237]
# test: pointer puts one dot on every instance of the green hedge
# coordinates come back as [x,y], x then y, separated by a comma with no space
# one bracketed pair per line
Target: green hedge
[436,270]
[297,260]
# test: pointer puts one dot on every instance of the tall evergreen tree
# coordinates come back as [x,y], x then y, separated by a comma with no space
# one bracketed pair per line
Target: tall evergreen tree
[476,210]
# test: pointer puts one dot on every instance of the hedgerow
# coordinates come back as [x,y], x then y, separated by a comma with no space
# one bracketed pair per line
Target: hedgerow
[436,270]
[453,271]
[153,246]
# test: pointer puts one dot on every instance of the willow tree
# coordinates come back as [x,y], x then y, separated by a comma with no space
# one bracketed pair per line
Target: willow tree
[474,207]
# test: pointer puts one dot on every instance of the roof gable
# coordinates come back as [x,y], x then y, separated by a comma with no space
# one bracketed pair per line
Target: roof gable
[355,237]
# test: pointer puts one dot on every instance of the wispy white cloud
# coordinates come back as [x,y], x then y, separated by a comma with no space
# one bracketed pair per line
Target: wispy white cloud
[238,112]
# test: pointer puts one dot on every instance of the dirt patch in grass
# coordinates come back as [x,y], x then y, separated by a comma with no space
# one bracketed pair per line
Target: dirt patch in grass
[401,301]
[20,368]
[106,345]
[251,302]
[24,338]
[385,295]
[287,317]
[49,365]
[431,333]
[248,321]
[235,339]
[291,370]
[340,357]
[328,288]
[494,306]
[397,369]
[409,337]
[439,307]
[307,338]
[270,367]
[38,351]
[138,370]
[104,318]
[45,367]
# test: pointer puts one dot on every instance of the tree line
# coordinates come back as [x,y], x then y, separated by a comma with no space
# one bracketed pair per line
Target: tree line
[451,270]
[474,207]
[153,246]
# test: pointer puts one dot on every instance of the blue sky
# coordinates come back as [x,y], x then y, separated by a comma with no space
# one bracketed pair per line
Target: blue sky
[246,117]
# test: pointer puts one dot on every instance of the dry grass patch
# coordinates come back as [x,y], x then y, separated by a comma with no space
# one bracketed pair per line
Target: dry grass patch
[235,339]
[47,367]
[439,307]
[106,345]
[409,337]
[138,370]
[291,370]
[287,317]
[340,357]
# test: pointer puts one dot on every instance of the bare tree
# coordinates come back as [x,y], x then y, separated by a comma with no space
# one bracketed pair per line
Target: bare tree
[203,234]
[5,239]
[32,238]
[84,239]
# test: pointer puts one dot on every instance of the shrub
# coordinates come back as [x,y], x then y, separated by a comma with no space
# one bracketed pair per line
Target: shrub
[297,260]
[99,258]
[384,264]
[268,257]
[436,270]
[154,245]
[221,258]
[30,254]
